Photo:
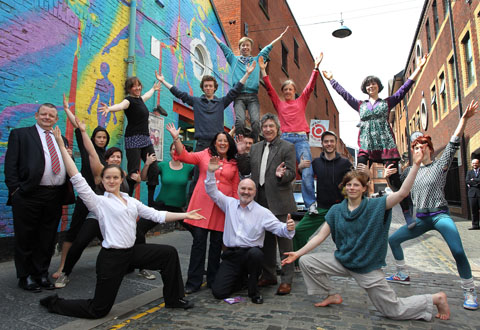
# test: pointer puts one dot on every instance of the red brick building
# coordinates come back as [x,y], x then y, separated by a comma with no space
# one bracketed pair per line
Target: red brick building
[263,21]
[433,105]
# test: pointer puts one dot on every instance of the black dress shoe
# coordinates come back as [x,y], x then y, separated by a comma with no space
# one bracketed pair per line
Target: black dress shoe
[45,283]
[49,300]
[189,290]
[257,299]
[28,284]
[180,303]
[474,228]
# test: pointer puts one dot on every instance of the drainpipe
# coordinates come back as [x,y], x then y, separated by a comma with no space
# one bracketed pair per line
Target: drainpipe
[463,145]
[131,38]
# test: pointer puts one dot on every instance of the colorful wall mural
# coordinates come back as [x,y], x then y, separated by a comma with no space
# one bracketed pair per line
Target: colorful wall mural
[79,47]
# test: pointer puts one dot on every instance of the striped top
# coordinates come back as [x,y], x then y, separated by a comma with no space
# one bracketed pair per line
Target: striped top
[428,190]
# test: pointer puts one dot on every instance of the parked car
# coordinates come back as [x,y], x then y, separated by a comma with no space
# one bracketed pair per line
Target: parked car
[297,194]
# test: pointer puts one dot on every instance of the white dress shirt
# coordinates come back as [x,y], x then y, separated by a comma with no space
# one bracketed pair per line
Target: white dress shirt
[118,222]
[49,178]
[244,226]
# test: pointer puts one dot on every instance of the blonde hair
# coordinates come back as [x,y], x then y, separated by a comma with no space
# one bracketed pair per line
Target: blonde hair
[242,40]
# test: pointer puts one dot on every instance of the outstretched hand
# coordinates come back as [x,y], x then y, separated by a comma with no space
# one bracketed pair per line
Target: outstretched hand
[251,66]
[150,158]
[389,171]
[174,132]
[159,76]
[327,74]
[283,33]
[241,144]
[318,60]
[281,169]
[422,62]
[157,86]
[104,109]
[291,257]
[214,164]
[65,102]
[194,215]
[470,110]
[261,63]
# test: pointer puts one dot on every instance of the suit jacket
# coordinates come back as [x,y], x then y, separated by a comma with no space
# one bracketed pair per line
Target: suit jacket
[25,163]
[473,183]
[279,191]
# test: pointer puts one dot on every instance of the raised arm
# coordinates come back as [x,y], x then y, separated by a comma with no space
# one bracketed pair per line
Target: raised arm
[149,94]
[263,66]
[279,37]
[70,115]
[67,160]
[95,164]
[353,102]
[398,196]
[469,112]
[211,184]
[217,39]
[313,243]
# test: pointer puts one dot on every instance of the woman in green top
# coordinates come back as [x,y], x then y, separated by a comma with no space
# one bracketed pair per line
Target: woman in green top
[359,227]
[172,197]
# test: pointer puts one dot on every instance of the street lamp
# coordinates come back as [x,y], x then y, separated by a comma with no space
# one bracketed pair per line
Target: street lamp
[343,31]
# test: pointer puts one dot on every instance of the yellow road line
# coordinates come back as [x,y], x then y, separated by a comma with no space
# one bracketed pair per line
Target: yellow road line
[138,316]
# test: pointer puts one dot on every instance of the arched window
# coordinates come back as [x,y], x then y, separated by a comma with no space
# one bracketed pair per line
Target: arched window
[200,58]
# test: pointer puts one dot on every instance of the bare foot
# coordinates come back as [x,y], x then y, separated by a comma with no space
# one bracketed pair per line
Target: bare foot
[440,300]
[56,274]
[330,300]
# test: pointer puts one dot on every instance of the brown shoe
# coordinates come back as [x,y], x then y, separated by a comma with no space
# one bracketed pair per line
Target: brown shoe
[264,282]
[284,289]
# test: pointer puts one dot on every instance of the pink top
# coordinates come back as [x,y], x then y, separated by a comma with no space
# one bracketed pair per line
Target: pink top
[292,113]
[227,182]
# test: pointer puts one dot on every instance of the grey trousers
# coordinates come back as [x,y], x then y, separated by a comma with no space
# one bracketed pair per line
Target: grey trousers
[270,255]
[317,267]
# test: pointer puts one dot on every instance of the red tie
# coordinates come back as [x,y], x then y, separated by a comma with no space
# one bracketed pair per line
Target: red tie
[53,153]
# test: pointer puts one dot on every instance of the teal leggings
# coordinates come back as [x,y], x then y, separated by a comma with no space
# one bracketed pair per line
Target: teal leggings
[442,223]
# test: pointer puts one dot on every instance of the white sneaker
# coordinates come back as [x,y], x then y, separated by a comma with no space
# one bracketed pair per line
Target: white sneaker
[470,301]
[146,274]
[61,281]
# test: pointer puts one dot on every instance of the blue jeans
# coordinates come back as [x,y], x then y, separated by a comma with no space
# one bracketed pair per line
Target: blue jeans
[247,101]
[302,148]
[442,223]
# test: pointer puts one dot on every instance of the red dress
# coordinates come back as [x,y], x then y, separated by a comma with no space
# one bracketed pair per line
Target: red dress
[227,182]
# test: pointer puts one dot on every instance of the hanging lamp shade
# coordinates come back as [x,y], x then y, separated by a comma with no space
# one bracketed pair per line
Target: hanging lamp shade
[342,32]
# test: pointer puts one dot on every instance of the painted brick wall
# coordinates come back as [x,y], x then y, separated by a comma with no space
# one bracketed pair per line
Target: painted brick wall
[51,47]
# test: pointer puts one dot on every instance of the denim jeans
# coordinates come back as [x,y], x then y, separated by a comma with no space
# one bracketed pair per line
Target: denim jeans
[302,148]
[247,102]
[442,223]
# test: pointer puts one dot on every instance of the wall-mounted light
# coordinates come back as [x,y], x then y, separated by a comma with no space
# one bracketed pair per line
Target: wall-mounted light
[160,3]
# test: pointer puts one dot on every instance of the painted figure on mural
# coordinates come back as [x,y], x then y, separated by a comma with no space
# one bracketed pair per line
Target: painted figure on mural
[105,93]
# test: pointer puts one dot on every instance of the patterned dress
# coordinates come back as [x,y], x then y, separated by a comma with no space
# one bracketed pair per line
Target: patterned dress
[375,139]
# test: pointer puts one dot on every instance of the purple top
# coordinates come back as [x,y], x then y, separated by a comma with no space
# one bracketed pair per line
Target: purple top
[392,101]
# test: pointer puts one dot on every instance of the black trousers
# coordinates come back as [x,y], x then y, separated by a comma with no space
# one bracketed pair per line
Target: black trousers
[475,205]
[79,215]
[35,220]
[196,267]
[133,163]
[112,265]
[237,264]
[89,230]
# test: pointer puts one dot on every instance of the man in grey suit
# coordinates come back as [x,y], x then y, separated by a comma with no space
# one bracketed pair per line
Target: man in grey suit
[271,164]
